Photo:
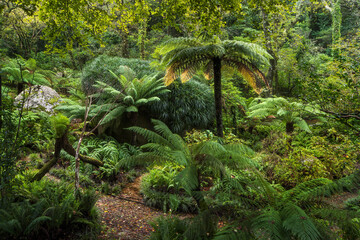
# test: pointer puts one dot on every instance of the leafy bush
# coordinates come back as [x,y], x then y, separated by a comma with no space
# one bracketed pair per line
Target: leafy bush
[291,161]
[353,203]
[168,228]
[197,136]
[69,176]
[109,151]
[47,210]
[189,105]
[160,190]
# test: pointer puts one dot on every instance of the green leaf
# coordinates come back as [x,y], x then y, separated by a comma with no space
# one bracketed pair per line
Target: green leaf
[132,109]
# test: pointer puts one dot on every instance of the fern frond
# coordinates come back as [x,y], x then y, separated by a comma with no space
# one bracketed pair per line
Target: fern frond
[188,178]
[232,233]
[270,223]
[150,136]
[296,221]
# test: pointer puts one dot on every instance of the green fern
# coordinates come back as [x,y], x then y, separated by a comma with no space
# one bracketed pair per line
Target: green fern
[289,112]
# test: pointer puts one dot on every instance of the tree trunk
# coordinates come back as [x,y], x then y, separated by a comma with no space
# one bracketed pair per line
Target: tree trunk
[142,33]
[336,26]
[134,116]
[77,167]
[289,127]
[273,75]
[0,101]
[125,45]
[59,142]
[63,143]
[20,87]
[217,93]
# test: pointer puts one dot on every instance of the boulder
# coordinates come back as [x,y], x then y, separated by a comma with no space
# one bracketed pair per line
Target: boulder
[39,97]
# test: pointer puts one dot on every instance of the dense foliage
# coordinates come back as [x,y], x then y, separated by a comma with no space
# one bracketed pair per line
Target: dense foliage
[245,115]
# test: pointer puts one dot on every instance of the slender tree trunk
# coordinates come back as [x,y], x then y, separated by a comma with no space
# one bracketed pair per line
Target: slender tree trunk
[0,101]
[217,93]
[20,87]
[336,26]
[125,45]
[77,166]
[142,33]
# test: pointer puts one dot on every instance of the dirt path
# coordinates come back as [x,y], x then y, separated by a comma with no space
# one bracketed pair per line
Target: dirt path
[126,220]
[338,200]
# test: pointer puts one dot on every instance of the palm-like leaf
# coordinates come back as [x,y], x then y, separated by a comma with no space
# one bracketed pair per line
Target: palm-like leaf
[288,112]
[190,55]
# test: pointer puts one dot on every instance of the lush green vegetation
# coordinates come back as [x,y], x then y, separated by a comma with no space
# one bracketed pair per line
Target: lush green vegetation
[245,114]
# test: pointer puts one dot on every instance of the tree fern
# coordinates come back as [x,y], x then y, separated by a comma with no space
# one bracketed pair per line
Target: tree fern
[191,55]
[299,223]
[289,112]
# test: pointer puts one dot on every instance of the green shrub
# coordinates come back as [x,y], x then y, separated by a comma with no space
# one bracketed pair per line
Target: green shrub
[290,161]
[353,203]
[107,150]
[189,105]
[69,176]
[160,190]
[194,137]
[47,210]
[35,160]
[168,228]
[108,189]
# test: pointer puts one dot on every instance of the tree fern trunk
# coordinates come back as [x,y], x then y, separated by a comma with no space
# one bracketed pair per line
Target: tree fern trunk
[125,45]
[63,143]
[0,102]
[46,168]
[142,37]
[217,93]
[289,127]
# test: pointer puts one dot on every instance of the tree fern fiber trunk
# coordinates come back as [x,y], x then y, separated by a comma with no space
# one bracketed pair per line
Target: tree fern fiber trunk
[63,143]
[0,102]
[217,93]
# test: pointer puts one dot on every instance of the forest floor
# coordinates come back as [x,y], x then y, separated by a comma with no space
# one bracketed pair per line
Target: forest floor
[125,216]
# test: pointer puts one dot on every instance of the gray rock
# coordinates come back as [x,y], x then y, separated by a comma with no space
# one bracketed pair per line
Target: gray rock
[39,97]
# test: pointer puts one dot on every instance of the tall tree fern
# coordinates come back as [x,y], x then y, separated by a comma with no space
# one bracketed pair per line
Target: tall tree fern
[183,57]
[291,113]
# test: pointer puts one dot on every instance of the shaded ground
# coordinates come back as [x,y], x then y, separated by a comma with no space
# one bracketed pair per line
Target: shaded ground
[125,216]
[338,200]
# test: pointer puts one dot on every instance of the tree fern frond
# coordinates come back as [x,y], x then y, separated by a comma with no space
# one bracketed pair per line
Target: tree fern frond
[300,190]
[150,136]
[346,183]
[301,123]
[270,223]
[113,114]
[188,178]
[299,223]
[178,43]
[175,140]
[250,51]
[175,68]
[209,147]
